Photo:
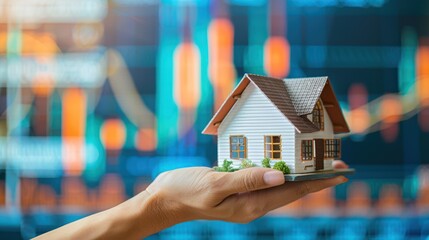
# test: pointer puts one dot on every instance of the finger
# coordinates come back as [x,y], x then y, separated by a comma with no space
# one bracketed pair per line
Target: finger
[296,190]
[258,203]
[250,179]
[338,164]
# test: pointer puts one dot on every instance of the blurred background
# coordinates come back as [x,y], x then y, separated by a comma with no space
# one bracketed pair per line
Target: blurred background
[98,97]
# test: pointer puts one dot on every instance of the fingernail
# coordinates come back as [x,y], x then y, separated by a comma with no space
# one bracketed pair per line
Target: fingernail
[342,179]
[274,178]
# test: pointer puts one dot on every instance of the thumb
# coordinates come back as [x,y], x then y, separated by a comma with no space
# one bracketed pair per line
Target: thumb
[251,179]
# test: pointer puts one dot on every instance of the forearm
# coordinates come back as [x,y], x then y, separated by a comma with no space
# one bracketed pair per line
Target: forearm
[138,217]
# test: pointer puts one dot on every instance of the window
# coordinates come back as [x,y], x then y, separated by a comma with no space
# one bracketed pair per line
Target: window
[273,147]
[238,147]
[307,150]
[318,115]
[333,148]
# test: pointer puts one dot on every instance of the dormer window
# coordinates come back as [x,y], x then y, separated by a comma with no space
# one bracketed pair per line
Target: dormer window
[318,115]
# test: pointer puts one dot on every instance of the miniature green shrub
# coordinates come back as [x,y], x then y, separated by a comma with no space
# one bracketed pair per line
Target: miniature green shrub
[247,163]
[281,166]
[266,163]
[226,166]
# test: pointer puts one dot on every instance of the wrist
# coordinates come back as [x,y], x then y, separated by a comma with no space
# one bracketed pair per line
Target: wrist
[157,212]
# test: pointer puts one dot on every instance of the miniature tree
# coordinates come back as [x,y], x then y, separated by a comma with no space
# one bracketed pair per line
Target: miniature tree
[226,167]
[281,166]
[247,163]
[266,163]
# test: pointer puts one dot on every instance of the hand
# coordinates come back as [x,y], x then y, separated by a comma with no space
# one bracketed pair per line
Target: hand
[242,196]
[194,193]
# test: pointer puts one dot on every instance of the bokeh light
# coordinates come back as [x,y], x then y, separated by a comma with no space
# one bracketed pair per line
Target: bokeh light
[113,134]
[146,139]
[358,118]
[276,57]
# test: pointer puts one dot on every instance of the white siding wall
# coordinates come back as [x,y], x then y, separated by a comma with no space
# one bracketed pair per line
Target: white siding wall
[254,116]
[328,132]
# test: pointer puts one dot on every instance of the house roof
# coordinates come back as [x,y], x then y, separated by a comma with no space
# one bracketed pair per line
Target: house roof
[305,92]
[295,98]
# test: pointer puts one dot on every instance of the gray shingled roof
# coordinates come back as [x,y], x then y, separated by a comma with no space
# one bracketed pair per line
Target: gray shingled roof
[305,92]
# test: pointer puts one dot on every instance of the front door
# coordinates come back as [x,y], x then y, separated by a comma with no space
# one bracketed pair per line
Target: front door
[320,153]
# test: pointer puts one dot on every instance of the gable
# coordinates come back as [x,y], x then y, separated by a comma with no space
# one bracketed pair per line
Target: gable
[254,116]
[304,94]
[224,109]
[254,113]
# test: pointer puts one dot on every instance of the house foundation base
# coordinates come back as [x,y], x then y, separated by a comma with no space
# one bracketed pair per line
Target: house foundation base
[294,177]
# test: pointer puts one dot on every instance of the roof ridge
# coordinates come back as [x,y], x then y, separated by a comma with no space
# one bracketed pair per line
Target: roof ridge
[258,75]
[297,78]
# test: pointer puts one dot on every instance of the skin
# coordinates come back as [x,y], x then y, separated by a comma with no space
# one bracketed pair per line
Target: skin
[194,193]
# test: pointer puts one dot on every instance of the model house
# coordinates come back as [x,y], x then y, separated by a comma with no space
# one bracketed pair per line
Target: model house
[294,120]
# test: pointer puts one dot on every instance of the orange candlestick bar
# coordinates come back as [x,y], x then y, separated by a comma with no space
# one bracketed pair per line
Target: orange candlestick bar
[423,75]
[145,139]
[187,89]
[277,57]
[359,117]
[221,67]
[74,104]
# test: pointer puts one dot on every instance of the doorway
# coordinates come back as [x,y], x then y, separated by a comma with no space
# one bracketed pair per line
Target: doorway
[320,153]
